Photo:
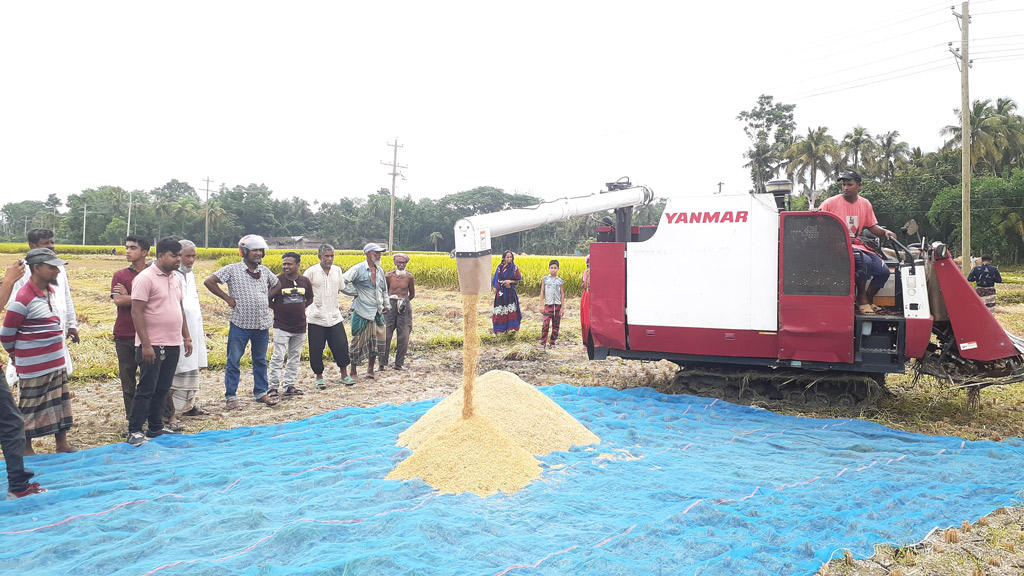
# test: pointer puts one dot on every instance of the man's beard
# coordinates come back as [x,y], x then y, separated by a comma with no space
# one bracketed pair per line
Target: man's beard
[399,272]
[184,269]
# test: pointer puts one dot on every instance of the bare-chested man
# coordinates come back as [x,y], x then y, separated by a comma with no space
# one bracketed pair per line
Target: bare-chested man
[401,289]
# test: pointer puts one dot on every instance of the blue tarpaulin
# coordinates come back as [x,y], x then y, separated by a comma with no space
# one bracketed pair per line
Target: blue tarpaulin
[679,485]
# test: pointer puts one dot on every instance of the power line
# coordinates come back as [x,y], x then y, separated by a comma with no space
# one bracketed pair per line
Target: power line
[861,32]
[841,88]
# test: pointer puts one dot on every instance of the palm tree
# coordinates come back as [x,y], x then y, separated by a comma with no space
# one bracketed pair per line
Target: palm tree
[890,152]
[986,133]
[811,154]
[856,145]
[435,237]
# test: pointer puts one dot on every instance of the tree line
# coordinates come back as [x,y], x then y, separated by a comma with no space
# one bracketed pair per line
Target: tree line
[902,181]
[99,216]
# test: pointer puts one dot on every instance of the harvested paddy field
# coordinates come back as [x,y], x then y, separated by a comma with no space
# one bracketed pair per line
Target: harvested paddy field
[435,371]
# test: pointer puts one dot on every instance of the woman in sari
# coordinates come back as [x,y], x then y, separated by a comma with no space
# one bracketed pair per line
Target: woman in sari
[506,316]
[585,303]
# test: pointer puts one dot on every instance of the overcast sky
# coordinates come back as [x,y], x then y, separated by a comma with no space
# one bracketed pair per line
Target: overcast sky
[552,98]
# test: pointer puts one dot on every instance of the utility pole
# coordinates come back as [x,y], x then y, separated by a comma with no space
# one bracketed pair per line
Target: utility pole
[206,239]
[965,139]
[128,227]
[85,212]
[26,225]
[394,175]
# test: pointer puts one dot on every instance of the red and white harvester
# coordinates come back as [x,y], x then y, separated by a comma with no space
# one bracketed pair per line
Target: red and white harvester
[744,294]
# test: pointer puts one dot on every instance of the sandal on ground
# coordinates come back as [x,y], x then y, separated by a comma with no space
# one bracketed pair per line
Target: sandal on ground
[273,394]
[267,399]
[877,309]
[176,426]
[196,411]
[232,405]
[348,381]
[369,376]
[865,310]
[293,391]
[320,384]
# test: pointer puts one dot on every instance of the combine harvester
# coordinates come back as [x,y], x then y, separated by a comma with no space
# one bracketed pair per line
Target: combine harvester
[753,300]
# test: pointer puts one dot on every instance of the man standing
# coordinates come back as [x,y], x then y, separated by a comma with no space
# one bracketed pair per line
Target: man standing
[987,276]
[12,425]
[401,291]
[33,338]
[326,325]
[366,283]
[160,331]
[136,250]
[289,307]
[857,214]
[185,385]
[251,285]
[63,305]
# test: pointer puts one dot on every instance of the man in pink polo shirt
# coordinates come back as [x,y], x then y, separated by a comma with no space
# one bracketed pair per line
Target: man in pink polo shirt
[160,330]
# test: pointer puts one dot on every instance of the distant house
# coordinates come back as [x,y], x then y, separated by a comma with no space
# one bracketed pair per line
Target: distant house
[294,242]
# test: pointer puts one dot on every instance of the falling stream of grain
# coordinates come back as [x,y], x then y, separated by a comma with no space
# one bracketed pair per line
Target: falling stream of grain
[470,342]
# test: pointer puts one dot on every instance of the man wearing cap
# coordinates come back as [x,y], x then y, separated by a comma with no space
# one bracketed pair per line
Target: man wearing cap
[856,212]
[366,283]
[33,337]
[401,290]
[250,287]
[63,305]
[12,424]
[326,326]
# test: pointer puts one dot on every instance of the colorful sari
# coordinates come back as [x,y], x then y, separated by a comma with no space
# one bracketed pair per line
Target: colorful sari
[506,315]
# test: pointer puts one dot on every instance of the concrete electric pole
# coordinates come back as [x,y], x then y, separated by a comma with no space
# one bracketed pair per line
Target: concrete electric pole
[965,138]
[394,175]
[206,238]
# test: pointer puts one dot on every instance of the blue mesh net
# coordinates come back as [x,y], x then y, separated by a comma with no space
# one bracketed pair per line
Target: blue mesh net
[680,485]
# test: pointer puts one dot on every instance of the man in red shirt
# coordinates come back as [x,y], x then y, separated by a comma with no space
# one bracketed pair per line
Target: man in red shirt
[160,331]
[136,250]
[857,214]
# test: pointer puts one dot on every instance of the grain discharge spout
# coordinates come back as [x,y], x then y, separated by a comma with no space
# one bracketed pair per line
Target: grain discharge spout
[473,234]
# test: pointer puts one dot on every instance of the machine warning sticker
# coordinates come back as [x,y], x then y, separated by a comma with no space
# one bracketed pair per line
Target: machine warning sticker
[968,345]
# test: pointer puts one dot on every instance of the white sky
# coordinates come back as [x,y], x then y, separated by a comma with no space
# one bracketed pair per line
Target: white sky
[553,98]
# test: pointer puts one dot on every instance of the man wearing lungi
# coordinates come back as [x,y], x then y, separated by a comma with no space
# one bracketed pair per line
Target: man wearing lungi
[185,385]
[12,425]
[33,336]
[401,291]
[366,283]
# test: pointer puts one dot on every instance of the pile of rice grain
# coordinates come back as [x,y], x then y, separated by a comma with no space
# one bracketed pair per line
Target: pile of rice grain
[494,449]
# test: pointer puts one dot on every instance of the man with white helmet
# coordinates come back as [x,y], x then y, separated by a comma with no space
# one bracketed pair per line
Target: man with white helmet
[365,282]
[250,287]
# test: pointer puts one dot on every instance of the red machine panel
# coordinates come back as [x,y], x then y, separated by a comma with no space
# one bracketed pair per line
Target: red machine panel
[704,341]
[608,294]
[978,335]
[816,289]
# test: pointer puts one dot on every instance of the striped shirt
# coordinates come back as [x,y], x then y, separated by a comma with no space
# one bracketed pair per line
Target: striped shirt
[32,333]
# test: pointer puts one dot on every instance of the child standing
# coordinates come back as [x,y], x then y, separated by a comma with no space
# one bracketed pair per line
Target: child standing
[551,295]
[986,276]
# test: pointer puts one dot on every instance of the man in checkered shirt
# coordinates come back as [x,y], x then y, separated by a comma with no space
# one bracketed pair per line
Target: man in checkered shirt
[250,287]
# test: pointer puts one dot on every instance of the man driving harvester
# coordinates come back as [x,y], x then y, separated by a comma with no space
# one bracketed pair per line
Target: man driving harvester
[858,215]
